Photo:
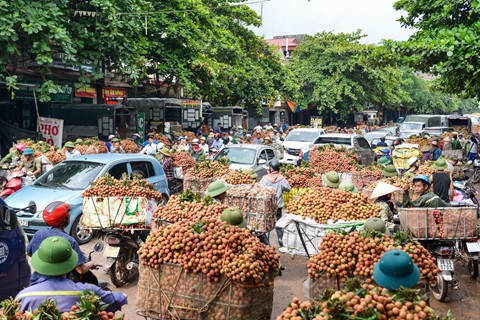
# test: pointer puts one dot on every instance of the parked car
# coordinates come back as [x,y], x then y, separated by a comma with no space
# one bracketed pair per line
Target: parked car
[375,135]
[408,134]
[298,139]
[248,156]
[393,130]
[349,141]
[67,181]
[14,267]
[437,131]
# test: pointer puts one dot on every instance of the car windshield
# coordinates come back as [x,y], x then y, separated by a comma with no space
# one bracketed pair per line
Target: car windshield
[404,135]
[73,175]
[371,135]
[302,136]
[238,155]
[411,126]
[334,140]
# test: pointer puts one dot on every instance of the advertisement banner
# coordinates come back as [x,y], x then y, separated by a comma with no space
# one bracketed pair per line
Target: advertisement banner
[51,130]
[86,92]
[141,125]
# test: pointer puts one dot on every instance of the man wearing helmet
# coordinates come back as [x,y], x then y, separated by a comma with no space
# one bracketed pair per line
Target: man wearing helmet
[426,199]
[15,154]
[278,182]
[412,171]
[57,216]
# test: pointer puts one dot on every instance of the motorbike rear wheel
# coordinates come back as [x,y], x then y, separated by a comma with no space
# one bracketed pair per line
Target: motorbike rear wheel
[119,274]
[473,268]
[440,289]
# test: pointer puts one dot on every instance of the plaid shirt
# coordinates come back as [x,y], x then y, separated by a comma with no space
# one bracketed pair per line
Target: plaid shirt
[167,165]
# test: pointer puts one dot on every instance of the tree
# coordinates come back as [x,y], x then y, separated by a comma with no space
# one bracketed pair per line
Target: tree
[202,45]
[34,32]
[335,73]
[207,47]
[446,43]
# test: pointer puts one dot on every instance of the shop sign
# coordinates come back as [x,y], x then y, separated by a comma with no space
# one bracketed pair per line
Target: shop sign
[86,92]
[25,91]
[191,103]
[141,125]
[113,95]
[316,122]
[51,130]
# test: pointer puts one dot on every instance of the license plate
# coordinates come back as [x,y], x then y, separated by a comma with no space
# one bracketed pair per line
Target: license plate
[473,246]
[446,265]
[23,222]
[111,252]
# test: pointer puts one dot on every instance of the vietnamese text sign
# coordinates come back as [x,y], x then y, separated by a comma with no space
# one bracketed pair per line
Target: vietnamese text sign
[51,130]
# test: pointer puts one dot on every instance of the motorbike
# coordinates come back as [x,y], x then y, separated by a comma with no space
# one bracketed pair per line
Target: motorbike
[444,252]
[89,277]
[15,182]
[121,254]
[473,173]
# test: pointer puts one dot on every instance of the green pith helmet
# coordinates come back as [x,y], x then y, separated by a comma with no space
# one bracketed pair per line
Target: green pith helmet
[396,269]
[234,217]
[54,257]
[78,141]
[216,188]
[384,161]
[250,172]
[115,140]
[439,164]
[348,186]
[332,179]
[390,171]
[376,224]
[69,144]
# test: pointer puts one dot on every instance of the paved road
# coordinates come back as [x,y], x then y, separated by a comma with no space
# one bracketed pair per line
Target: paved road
[463,302]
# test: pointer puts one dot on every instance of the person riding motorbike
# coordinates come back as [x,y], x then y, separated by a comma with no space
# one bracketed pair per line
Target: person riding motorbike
[197,151]
[30,165]
[426,199]
[55,258]
[14,155]
[57,216]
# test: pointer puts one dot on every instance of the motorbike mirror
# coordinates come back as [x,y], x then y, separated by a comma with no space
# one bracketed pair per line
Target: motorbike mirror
[98,247]
[32,207]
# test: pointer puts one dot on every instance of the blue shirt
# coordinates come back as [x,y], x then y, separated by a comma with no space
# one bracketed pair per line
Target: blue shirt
[217,144]
[64,302]
[436,153]
[382,144]
[146,142]
[43,234]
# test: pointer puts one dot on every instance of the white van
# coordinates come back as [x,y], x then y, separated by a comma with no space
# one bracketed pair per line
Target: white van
[296,140]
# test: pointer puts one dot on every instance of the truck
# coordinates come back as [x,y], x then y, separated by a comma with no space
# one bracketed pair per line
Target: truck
[416,124]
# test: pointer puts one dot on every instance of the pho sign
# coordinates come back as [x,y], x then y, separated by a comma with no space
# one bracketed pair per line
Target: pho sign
[51,130]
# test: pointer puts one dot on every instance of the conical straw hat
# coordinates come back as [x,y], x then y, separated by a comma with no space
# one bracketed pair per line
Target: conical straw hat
[382,189]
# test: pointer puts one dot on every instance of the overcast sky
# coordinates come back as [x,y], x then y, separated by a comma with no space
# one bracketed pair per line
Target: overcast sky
[376,18]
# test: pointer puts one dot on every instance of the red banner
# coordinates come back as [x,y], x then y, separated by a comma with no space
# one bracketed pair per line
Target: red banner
[88,92]
[114,92]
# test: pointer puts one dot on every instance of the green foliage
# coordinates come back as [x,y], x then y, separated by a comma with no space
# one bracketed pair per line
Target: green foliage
[205,46]
[446,43]
[335,72]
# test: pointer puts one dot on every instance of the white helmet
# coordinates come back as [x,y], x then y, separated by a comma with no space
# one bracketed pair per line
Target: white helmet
[412,160]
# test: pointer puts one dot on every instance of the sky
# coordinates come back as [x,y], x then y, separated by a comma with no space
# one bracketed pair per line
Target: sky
[376,18]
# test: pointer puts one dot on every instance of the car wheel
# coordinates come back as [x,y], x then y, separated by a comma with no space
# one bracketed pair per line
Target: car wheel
[80,234]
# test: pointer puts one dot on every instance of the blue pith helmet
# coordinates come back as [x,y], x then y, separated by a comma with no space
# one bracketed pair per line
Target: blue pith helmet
[396,269]
[28,151]
[385,150]
[422,177]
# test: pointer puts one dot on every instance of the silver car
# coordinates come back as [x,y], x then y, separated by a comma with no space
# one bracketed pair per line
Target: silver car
[253,156]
